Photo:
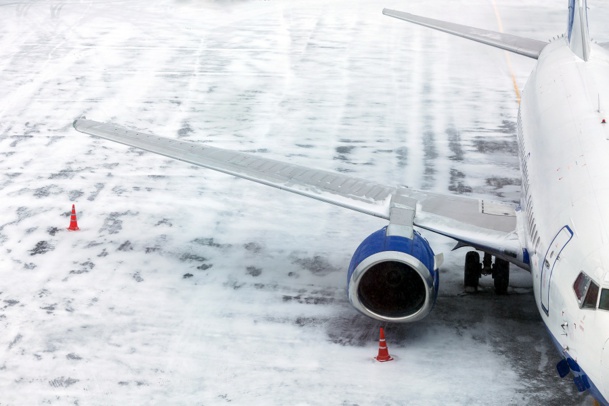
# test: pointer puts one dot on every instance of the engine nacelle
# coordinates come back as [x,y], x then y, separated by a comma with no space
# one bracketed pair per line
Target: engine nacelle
[393,278]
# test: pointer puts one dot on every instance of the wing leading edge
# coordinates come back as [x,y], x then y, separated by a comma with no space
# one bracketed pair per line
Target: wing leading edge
[479,223]
[522,46]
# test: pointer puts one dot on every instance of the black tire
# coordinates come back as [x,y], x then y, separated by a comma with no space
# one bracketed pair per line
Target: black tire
[501,276]
[471,274]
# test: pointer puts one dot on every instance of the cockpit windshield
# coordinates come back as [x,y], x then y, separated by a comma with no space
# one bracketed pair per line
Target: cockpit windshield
[586,291]
[591,296]
[604,302]
[580,285]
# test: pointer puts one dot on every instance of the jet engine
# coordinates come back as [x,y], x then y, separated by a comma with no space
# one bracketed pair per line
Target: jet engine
[393,278]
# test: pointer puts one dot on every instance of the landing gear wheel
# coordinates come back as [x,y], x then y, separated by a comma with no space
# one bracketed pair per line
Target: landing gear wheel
[471,271]
[501,275]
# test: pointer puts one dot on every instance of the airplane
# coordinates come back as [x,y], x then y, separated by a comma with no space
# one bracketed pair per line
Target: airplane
[559,231]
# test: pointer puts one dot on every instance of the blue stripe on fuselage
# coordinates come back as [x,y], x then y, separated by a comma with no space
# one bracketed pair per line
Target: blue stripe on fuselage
[593,389]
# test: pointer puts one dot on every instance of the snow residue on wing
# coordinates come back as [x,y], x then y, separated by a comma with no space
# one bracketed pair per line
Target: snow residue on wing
[185,286]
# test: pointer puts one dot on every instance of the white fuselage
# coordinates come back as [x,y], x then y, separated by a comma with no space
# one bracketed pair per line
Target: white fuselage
[564,156]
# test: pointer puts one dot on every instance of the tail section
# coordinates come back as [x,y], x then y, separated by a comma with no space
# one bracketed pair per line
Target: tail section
[577,29]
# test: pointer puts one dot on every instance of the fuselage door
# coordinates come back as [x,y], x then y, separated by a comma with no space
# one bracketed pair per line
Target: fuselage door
[559,242]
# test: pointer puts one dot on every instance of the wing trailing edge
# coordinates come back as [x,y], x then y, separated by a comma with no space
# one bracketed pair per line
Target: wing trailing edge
[356,194]
[519,45]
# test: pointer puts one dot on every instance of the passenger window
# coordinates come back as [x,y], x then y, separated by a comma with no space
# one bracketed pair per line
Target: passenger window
[604,302]
[591,296]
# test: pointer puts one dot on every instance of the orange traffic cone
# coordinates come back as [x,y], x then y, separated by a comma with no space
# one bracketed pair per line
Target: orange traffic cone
[73,223]
[383,352]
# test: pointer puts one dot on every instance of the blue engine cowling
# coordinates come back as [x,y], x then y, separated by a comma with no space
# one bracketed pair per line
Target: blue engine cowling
[393,278]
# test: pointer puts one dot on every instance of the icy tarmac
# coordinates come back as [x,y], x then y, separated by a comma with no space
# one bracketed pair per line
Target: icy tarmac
[186,286]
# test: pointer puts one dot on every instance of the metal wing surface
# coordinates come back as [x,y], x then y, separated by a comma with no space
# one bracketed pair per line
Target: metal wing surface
[522,46]
[476,222]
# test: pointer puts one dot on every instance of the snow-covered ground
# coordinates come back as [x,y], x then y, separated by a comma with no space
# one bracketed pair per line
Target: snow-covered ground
[186,286]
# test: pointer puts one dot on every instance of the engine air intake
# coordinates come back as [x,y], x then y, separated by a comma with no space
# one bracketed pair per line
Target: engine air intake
[393,278]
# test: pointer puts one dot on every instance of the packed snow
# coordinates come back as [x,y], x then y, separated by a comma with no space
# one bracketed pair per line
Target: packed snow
[185,286]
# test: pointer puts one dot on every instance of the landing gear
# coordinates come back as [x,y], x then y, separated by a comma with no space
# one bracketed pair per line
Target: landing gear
[501,276]
[473,270]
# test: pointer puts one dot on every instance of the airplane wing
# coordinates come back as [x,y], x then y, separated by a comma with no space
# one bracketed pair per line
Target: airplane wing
[479,223]
[522,46]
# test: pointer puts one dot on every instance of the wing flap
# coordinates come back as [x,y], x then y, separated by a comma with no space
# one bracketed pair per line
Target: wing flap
[477,212]
[522,46]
